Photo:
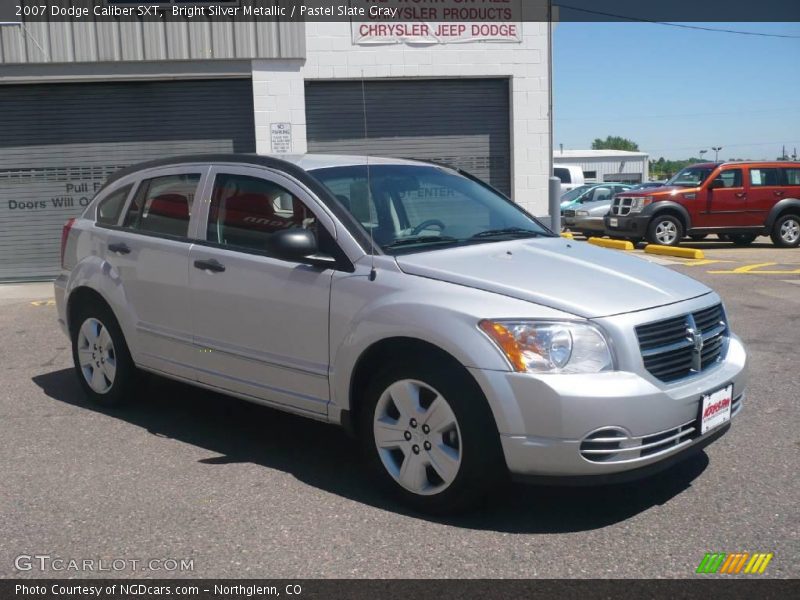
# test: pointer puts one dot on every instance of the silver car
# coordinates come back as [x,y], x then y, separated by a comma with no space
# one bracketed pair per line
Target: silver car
[587,219]
[408,302]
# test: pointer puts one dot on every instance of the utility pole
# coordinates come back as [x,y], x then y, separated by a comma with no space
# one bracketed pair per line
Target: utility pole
[716,150]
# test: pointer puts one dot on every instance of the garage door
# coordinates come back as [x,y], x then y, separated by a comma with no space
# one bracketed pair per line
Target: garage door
[59,142]
[463,122]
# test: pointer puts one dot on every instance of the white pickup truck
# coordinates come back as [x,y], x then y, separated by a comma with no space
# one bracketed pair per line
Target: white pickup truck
[571,176]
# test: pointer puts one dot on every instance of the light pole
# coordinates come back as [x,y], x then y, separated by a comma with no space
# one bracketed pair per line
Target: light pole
[701,153]
[716,150]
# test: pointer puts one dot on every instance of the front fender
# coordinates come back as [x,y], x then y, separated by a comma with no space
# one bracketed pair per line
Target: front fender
[658,207]
[396,304]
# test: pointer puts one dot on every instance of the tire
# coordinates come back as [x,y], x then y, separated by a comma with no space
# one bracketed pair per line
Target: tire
[400,402]
[786,231]
[665,230]
[742,239]
[635,241]
[588,234]
[698,237]
[101,357]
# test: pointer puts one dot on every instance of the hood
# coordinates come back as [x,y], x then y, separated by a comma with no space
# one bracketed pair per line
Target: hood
[574,277]
[664,190]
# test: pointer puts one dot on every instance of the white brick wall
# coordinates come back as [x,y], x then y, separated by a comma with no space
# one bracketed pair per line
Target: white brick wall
[279,90]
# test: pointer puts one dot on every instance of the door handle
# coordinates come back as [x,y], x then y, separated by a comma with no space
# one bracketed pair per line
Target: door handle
[741,195]
[119,248]
[209,265]
[778,193]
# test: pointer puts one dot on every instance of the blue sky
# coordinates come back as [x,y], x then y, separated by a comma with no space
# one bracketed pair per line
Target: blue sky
[675,91]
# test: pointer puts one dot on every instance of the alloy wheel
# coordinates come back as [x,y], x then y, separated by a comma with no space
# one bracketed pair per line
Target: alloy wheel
[96,355]
[790,231]
[417,437]
[666,233]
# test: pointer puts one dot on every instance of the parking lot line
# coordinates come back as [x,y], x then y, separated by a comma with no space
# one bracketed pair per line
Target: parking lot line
[702,263]
[752,270]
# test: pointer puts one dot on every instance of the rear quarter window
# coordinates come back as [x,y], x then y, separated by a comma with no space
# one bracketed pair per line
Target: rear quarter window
[110,207]
[792,176]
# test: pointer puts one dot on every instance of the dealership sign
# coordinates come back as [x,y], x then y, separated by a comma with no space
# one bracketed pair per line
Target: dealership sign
[445,22]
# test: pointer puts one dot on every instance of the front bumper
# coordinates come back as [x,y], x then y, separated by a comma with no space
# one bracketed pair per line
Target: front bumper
[594,224]
[627,226]
[544,420]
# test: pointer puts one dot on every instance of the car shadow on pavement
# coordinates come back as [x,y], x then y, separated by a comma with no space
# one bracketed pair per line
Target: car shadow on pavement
[323,456]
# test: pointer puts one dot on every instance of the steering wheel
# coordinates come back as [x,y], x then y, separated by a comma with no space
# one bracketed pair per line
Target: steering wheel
[426,224]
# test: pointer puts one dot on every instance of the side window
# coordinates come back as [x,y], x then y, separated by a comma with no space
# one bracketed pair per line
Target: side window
[764,177]
[562,174]
[245,211]
[601,193]
[163,204]
[792,176]
[732,178]
[110,208]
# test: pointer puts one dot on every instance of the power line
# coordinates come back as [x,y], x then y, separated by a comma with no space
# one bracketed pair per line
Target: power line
[681,25]
[673,116]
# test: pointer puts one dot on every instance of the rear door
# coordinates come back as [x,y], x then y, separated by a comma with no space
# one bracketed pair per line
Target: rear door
[261,322]
[150,253]
[765,191]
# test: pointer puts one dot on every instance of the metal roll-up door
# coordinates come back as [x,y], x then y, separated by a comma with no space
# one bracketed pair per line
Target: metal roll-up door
[58,143]
[462,122]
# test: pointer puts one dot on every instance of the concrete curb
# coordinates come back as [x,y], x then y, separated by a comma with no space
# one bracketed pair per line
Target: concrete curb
[615,244]
[692,253]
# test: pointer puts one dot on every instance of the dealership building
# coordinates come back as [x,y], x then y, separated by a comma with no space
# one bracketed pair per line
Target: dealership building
[81,98]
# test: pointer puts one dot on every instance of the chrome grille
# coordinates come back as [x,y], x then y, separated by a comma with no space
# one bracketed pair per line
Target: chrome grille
[614,445]
[671,349]
[621,206]
[569,213]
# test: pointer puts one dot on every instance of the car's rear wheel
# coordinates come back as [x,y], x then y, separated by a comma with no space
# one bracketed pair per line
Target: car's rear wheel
[429,436]
[786,231]
[102,361]
[665,230]
[742,239]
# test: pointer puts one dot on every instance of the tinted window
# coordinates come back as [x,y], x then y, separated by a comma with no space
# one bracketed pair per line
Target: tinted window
[110,208]
[163,204]
[563,175]
[763,177]
[792,176]
[601,193]
[732,178]
[245,211]
[690,176]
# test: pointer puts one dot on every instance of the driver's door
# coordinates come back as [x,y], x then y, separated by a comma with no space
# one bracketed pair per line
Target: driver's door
[726,203]
[261,323]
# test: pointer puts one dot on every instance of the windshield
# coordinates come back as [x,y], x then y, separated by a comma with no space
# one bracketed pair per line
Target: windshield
[690,176]
[574,193]
[408,208]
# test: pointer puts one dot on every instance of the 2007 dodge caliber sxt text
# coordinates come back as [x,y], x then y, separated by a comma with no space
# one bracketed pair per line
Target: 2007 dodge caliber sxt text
[409,302]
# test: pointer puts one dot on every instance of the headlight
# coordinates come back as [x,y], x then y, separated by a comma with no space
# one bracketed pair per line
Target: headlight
[550,346]
[639,203]
[582,213]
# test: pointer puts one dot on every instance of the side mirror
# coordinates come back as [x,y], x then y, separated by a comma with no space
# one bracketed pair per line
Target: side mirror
[298,245]
[716,183]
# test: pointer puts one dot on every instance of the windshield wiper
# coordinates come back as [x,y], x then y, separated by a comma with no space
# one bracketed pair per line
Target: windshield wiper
[423,239]
[508,231]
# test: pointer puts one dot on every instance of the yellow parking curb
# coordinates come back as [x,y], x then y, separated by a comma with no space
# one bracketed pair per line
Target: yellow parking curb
[673,251]
[615,244]
[568,235]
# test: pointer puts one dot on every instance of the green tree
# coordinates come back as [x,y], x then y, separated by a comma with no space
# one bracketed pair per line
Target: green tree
[614,142]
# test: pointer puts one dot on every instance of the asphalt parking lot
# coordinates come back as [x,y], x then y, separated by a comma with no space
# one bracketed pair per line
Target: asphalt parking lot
[244,491]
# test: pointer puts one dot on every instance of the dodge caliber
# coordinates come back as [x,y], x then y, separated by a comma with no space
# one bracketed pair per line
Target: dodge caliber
[410,303]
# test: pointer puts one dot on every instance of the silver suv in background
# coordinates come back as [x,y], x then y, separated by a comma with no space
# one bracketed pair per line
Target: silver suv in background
[408,302]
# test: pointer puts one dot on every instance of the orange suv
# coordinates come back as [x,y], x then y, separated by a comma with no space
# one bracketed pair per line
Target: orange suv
[738,201]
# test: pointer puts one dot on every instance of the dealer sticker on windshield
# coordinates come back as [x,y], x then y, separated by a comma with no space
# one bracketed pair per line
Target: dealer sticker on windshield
[716,409]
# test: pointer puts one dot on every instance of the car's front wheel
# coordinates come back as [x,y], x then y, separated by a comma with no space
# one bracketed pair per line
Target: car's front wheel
[665,230]
[429,436]
[102,361]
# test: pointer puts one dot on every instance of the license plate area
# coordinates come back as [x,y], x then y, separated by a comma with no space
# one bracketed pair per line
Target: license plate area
[614,222]
[715,409]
